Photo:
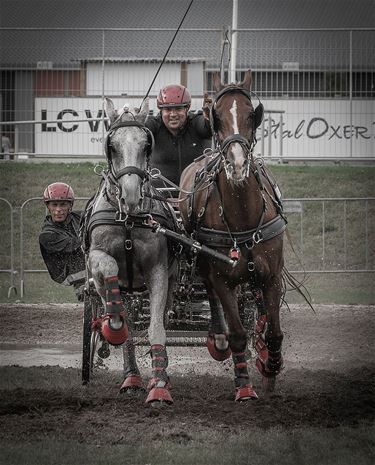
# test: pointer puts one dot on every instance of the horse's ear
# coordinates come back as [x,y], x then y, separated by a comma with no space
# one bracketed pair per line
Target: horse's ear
[247,80]
[216,81]
[110,109]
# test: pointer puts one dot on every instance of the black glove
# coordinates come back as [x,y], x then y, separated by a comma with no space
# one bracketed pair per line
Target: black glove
[80,292]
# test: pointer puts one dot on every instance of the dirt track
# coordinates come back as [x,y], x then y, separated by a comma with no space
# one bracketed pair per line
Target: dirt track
[328,381]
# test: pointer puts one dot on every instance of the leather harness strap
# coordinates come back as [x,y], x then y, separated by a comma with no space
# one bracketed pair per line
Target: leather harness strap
[216,238]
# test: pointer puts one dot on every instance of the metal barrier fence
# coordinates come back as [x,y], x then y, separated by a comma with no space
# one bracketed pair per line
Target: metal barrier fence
[330,235]
[11,270]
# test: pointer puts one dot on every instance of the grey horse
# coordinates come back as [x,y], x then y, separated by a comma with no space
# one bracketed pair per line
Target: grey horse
[125,253]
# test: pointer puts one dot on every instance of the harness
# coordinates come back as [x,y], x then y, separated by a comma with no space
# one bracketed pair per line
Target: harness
[221,238]
[114,215]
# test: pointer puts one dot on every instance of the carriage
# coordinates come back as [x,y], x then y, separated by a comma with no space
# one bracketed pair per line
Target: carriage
[216,269]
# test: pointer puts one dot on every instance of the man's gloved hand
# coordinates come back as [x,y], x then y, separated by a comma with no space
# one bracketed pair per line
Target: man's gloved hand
[207,103]
[80,292]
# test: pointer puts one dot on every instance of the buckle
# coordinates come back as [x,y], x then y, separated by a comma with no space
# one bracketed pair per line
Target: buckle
[120,217]
[257,237]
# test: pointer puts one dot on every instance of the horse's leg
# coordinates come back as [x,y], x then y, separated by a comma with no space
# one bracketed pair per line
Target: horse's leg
[104,271]
[158,386]
[269,334]
[217,342]
[132,377]
[237,338]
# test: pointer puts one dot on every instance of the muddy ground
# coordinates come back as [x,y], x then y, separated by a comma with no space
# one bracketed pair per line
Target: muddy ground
[328,381]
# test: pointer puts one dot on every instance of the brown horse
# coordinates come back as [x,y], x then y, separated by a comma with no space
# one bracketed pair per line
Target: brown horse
[235,209]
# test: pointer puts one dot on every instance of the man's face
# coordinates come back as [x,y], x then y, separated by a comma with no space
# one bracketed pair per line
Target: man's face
[174,118]
[59,210]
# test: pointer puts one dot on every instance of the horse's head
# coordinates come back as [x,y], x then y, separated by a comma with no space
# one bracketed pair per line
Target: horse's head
[234,121]
[128,148]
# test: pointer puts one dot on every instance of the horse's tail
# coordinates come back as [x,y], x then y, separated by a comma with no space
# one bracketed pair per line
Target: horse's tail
[291,283]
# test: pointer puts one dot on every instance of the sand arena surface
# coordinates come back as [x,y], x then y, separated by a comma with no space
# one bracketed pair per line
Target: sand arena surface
[328,380]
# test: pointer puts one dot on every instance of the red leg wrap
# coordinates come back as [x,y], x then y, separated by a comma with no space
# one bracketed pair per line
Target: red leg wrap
[112,295]
[244,390]
[159,384]
[269,361]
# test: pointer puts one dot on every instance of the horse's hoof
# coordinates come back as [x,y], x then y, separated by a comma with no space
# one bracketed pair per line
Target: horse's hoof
[216,354]
[132,383]
[159,396]
[268,384]
[245,393]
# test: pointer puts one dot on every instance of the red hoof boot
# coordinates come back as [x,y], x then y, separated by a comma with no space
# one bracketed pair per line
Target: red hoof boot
[132,383]
[114,328]
[245,393]
[216,354]
[159,395]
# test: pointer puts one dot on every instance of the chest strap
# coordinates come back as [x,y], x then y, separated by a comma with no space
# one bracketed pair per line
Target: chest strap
[217,238]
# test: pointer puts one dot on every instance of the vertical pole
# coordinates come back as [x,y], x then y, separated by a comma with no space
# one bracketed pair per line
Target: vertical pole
[103,69]
[16,139]
[233,55]
[366,235]
[323,234]
[262,136]
[281,136]
[351,91]
[224,44]
[21,252]
[12,248]
[269,135]
[345,237]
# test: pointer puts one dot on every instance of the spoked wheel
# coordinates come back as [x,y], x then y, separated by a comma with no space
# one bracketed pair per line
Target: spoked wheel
[91,337]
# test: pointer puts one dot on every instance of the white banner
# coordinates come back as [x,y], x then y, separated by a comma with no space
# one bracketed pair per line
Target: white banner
[310,128]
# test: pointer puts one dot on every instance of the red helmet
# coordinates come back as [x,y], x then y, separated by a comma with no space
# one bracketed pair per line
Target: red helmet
[58,191]
[173,95]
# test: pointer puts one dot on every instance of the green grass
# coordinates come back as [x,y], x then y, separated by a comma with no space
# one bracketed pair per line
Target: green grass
[20,181]
[337,446]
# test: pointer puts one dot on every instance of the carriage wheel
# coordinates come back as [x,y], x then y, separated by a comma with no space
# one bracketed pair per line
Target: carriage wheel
[90,337]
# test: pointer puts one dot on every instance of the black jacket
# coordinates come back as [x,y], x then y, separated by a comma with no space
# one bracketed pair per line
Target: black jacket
[60,247]
[171,153]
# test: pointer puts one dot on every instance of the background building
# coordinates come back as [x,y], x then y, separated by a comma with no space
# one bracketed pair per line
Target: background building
[312,60]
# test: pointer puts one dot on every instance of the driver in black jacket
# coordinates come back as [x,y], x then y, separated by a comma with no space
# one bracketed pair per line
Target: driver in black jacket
[59,241]
[180,136]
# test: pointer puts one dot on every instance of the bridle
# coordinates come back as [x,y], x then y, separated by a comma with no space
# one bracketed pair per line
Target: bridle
[246,144]
[114,175]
